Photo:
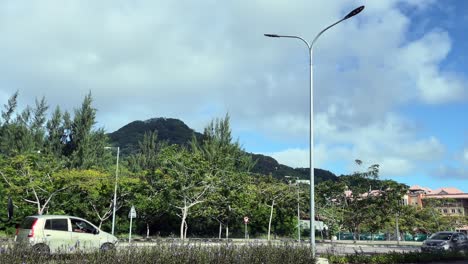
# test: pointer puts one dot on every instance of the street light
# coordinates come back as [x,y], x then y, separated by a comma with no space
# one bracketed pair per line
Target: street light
[311,133]
[298,209]
[115,187]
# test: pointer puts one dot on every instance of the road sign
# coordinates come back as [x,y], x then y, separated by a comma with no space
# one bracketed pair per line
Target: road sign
[132,213]
[246,219]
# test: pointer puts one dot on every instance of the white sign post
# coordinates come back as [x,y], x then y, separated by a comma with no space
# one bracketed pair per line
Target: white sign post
[132,214]
[246,221]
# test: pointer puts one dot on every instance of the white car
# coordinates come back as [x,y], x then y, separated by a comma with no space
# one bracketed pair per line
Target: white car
[62,234]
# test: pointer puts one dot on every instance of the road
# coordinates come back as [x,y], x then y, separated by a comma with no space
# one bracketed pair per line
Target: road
[336,248]
[343,249]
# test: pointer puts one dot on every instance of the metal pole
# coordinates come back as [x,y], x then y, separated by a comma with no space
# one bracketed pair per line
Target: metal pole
[311,131]
[245,225]
[397,231]
[311,151]
[298,212]
[130,232]
[115,190]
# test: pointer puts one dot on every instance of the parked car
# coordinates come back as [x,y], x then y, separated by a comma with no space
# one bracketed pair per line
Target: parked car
[445,241]
[365,236]
[345,236]
[420,237]
[379,236]
[369,236]
[62,234]
[408,237]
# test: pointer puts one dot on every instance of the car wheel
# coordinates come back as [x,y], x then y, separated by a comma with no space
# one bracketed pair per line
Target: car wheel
[41,249]
[107,247]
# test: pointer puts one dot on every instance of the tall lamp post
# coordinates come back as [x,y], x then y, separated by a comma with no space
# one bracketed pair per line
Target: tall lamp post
[311,131]
[115,187]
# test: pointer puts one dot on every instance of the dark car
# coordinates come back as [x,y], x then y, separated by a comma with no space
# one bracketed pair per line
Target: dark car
[445,241]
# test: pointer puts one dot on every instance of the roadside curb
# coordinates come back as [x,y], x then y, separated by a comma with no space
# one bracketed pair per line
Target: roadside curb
[322,261]
[368,245]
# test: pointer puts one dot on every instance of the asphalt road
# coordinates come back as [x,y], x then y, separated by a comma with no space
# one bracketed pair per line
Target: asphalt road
[336,248]
[344,249]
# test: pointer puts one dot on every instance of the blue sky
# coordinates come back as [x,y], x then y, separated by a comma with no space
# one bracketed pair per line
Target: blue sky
[390,84]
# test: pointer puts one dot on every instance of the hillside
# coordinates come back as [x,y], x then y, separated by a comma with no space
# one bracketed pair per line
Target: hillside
[174,131]
[170,130]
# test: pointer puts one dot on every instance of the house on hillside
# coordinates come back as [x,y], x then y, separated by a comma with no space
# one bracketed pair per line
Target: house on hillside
[454,202]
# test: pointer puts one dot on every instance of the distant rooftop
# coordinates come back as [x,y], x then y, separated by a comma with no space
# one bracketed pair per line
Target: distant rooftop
[447,190]
[440,191]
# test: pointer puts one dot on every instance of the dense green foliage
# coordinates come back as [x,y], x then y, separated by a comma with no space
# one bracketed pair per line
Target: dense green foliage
[181,183]
[361,203]
[64,166]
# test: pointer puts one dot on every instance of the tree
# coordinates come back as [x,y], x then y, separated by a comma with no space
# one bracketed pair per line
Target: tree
[230,166]
[35,179]
[53,144]
[146,157]
[37,126]
[85,146]
[189,182]
[145,163]
[331,204]
[272,193]
[10,108]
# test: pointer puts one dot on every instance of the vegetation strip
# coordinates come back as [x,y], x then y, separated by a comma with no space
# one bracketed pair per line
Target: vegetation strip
[394,258]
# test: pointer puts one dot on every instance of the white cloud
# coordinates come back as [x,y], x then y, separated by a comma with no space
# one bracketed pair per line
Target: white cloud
[145,59]
[396,166]
[390,143]
[465,155]
[295,157]
[420,59]
[449,171]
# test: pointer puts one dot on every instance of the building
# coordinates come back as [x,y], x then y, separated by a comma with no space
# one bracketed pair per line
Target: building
[453,202]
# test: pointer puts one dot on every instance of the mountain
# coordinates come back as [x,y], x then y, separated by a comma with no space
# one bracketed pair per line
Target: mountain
[170,130]
[268,165]
[174,131]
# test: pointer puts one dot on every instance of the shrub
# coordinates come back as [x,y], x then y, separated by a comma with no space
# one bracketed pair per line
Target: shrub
[393,257]
[174,253]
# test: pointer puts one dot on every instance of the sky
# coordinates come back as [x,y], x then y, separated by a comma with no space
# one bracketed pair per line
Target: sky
[390,84]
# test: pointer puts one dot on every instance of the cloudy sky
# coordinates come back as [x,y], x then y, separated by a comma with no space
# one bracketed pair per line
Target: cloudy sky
[390,85]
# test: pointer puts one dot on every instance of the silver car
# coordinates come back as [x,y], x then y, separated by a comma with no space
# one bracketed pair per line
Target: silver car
[62,234]
[445,241]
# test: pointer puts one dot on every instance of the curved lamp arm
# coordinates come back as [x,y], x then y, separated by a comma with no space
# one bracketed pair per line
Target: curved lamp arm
[309,46]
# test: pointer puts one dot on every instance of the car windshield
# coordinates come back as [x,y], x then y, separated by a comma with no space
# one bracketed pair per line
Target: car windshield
[442,236]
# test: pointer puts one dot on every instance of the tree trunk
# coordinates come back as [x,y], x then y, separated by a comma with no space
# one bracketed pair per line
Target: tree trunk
[182,222]
[185,231]
[147,230]
[271,217]
[227,231]
[220,230]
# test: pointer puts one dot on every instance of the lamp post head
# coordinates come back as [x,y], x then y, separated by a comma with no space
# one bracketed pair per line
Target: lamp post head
[271,35]
[354,12]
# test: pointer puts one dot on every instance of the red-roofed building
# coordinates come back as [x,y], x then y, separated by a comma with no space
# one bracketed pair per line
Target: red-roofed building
[456,205]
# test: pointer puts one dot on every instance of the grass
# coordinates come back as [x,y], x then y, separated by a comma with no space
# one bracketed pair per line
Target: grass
[199,252]
[393,258]
[173,253]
